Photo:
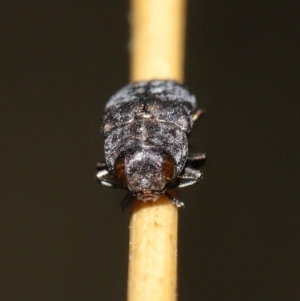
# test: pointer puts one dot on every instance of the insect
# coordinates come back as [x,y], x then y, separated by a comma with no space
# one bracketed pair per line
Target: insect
[145,129]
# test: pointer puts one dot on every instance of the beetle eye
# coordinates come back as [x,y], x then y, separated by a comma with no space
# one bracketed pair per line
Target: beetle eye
[120,170]
[167,168]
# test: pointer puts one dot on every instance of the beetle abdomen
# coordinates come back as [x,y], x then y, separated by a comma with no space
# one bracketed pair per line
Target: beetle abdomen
[147,135]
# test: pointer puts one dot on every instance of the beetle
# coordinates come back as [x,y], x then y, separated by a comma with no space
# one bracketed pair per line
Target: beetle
[145,130]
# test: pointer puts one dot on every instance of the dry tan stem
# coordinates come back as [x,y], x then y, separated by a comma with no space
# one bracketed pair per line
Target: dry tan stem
[153,252]
[157,40]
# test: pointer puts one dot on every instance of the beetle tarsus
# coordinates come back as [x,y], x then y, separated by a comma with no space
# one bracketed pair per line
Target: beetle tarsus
[197,115]
[176,202]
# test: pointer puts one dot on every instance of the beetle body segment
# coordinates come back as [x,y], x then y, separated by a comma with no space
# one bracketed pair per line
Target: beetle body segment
[165,101]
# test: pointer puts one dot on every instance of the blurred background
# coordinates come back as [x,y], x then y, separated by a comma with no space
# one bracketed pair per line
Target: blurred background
[64,237]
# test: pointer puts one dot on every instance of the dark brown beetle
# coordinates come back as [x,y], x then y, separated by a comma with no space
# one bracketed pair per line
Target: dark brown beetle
[145,130]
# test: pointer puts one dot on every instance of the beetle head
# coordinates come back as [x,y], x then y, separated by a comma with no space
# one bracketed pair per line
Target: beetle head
[145,173]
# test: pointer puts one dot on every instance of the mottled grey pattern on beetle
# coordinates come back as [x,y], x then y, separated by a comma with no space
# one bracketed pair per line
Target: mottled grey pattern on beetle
[145,130]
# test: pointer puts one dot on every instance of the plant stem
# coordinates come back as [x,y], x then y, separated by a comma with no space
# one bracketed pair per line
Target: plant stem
[157,39]
[157,52]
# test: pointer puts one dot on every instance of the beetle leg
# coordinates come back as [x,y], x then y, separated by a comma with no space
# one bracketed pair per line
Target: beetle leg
[189,176]
[176,202]
[183,183]
[126,201]
[196,160]
[101,166]
[197,115]
[102,174]
[112,184]
[107,179]
[196,157]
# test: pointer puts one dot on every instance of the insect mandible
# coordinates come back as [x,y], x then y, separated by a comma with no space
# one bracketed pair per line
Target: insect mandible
[145,129]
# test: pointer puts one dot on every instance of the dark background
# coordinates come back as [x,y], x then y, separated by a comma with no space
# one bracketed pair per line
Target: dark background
[64,237]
